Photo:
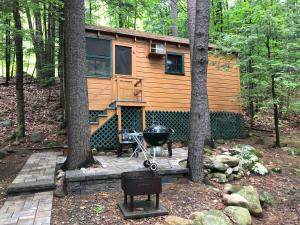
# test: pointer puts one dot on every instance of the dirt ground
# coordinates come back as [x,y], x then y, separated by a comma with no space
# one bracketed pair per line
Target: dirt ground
[9,168]
[184,197]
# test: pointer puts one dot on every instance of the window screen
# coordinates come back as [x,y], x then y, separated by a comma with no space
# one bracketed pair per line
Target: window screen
[174,63]
[123,60]
[98,54]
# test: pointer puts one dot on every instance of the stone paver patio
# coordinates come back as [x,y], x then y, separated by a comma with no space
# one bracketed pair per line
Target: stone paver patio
[28,209]
[30,194]
[112,166]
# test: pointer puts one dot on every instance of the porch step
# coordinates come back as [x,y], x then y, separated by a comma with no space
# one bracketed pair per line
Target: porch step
[102,118]
[117,103]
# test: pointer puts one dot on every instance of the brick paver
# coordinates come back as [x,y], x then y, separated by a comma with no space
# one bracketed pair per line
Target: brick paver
[27,209]
[37,174]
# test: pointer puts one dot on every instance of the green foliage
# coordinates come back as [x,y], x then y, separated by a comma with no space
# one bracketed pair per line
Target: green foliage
[99,209]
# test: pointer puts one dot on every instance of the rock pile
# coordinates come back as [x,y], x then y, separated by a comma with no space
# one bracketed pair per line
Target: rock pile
[241,202]
[232,163]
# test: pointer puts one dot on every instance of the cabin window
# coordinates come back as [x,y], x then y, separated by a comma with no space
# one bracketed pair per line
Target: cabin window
[175,63]
[123,63]
[98,55]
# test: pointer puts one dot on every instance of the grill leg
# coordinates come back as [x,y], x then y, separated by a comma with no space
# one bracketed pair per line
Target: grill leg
[149,197]
[125,198]
[131,203]
[157,201]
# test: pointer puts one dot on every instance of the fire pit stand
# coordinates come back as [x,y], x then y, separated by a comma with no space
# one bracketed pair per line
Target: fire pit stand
[141,183]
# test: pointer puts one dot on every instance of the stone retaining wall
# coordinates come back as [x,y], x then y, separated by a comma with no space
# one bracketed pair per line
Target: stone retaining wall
[77,183]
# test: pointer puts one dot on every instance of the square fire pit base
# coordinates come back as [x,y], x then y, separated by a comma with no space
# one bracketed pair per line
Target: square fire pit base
[142,209]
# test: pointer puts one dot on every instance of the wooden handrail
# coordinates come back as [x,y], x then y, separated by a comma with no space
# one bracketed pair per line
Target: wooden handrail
[136,87]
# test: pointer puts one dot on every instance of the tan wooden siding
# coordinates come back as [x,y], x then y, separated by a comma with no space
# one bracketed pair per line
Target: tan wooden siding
[171,92]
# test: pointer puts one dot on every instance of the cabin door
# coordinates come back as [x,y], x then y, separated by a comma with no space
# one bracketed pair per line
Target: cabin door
[131,118]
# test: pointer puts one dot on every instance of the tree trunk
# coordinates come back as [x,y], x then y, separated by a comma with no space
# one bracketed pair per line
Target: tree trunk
[40,48]
[276,117]
[79,154]
[174,16]
[199,98]
[192,16]
[50,44]
[19,70]
[60,67]
[275,106]
[7,51]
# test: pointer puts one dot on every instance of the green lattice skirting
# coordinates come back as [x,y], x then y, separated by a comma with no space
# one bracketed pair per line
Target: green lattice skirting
[94,115]
[225,125]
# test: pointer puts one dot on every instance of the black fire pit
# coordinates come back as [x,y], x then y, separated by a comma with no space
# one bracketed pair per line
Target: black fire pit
[141,183]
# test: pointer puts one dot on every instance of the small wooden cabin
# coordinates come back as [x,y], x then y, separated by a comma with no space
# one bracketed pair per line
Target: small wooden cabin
[135,78]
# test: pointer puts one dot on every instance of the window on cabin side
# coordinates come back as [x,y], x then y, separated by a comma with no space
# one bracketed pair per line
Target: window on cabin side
[123,64]
[98,55]
[175,63]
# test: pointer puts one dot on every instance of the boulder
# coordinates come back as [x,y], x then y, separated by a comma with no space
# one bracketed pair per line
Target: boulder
[236,169]
[196,215]
[267,199]
[229,188]
[229,160]
[228,171]
[251,195]
[235,200]
[7,123]
[218,177]
[220,141]
[239,215]
[175,220]
[218,166]
[36,136]
[212,217]
[94,151]
[3,153]
[260,169]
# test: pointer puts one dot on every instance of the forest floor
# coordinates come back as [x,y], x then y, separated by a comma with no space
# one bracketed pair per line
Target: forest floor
[180,198]
[41,114]
[184,197]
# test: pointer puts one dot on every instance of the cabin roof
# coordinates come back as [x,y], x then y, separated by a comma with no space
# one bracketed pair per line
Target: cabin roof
[139,34]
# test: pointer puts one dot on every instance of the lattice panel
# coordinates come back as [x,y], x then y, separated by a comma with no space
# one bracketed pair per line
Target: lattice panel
[227,125]
[132,118]
[224,125]
[106,136]
[178,121]
[94,115]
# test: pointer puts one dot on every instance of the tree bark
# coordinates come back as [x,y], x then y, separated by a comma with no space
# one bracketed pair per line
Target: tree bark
[79,154]
[199,98]
[19,70]
[192,16]
[61,59]
[7,51]
[275,106]
[174,15]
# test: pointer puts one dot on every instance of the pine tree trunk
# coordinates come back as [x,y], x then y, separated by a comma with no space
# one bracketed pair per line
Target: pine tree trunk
[192,16]
[79,154]
[174,15]
[60,67]
[40,48]
[275,106]
[199,98]
[19,70]
[7,52]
